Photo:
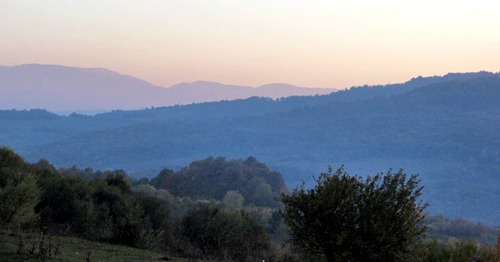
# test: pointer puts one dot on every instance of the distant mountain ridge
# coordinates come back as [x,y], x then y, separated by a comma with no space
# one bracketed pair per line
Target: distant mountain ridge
[446,128]
[61,88]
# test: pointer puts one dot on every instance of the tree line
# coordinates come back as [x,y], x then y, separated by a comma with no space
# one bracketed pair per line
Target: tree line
[343,218]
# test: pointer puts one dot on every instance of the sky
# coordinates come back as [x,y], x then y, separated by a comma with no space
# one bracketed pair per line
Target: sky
[306,43]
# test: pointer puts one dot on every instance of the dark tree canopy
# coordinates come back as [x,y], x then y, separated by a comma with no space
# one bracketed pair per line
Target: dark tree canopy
[212,178]
[347,218]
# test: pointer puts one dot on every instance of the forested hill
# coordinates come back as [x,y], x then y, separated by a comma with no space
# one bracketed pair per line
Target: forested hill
[261,105]
[215,178]
[445,128]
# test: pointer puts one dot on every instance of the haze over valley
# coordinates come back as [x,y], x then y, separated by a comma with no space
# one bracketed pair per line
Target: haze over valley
[444,128]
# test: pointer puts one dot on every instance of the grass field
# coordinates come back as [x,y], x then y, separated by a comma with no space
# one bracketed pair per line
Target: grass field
[69,249]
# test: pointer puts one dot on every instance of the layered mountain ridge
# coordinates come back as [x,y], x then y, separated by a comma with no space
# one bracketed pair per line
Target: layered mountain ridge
[444,128]
[72,89]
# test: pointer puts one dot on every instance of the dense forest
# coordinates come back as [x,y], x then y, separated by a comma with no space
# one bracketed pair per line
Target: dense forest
[214,178]
[111,207]
[444,128]
[238,221]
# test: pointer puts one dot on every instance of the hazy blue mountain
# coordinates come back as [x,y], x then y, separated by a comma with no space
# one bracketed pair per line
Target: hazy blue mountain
[93,90]
[276,90]
[445,128]
[61,88]
[211,91]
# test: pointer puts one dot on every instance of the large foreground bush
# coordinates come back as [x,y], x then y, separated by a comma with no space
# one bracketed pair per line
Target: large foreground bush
[347,218]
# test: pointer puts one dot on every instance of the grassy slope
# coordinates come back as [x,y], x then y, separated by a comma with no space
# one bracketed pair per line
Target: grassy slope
[72,249]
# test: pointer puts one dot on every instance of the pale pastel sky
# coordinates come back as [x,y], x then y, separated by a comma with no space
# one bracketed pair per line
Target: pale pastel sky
[306,43]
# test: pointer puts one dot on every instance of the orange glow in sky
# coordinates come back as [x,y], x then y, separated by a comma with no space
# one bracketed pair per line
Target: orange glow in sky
[306,43]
